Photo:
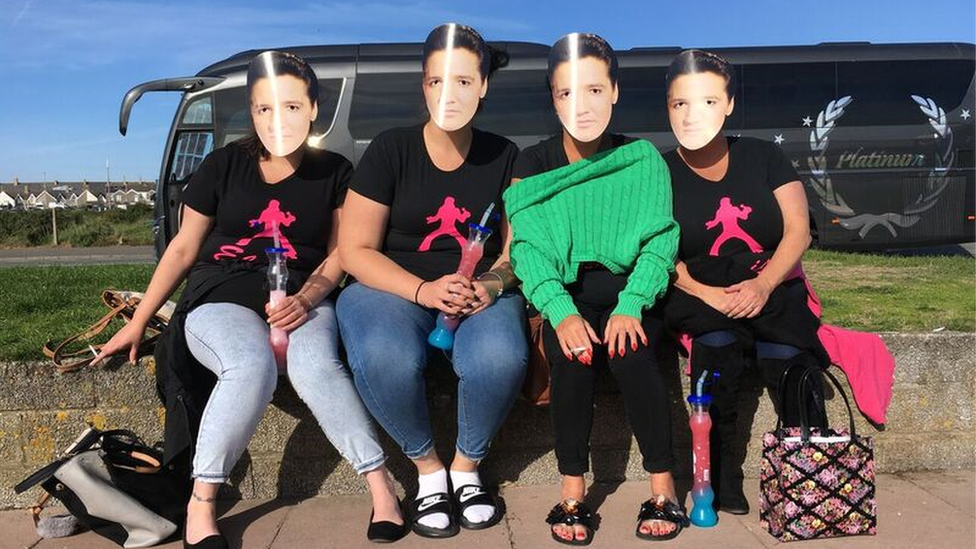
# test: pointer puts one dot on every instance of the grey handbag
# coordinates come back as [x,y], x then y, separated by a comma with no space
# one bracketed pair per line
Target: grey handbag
[116,486]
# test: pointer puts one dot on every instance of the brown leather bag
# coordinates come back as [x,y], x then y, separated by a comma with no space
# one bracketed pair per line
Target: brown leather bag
[535,390]
[73,353]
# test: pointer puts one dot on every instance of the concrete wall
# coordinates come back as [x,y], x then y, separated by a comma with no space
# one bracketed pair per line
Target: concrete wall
[931,425]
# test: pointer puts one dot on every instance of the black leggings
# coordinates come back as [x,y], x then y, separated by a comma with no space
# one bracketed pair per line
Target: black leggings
[638,375]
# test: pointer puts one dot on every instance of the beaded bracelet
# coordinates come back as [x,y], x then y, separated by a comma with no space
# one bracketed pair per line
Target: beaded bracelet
[501,288]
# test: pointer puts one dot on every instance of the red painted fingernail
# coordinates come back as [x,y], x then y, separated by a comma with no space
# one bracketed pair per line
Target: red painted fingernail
[634,346]
[611,353]
[622,352]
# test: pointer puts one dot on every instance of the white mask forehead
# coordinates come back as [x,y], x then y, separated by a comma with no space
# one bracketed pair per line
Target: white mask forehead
[279,145]
[574,91]
[447,82]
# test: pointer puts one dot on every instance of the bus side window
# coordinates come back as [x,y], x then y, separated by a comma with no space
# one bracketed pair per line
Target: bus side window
[780,96]
[519,104]
[191,148]
[385,100]
[884,89]
[642,104]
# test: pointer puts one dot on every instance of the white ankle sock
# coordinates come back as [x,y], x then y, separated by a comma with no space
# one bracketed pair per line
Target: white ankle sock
[474,513]
[430,484]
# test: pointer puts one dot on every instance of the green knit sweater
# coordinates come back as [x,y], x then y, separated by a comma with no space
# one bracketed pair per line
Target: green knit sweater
[613,208]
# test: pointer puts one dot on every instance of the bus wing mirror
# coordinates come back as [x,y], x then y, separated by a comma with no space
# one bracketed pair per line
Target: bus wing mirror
[185,84]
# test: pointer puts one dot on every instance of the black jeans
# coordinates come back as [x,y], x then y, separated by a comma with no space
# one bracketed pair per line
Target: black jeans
[638,375]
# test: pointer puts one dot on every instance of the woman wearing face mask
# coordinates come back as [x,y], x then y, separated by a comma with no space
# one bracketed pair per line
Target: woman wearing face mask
[744,227]
[403,229]
[239,197]
[593,243]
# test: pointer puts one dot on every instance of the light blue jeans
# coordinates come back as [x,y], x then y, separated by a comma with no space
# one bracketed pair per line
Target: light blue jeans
[386,343]
[232,342]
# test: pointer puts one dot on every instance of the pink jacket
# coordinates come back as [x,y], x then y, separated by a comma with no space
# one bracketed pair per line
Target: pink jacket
[864,358]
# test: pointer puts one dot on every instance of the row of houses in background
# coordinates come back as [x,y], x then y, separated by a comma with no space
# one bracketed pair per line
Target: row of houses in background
[96,195]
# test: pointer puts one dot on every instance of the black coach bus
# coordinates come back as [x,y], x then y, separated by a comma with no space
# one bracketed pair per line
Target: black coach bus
[881,134]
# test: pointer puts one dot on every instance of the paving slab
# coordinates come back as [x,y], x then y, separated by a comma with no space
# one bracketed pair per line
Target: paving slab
[958,488]
[909,517]
[341,521]
[915,511]
[616,507]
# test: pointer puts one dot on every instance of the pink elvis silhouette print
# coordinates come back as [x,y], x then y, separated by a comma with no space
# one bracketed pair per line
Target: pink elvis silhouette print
[728,216]
[270,217]
[448,215]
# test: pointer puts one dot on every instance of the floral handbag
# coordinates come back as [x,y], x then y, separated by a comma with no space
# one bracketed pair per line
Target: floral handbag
[816,483]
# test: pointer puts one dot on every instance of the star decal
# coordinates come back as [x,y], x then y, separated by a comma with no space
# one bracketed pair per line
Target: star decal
[807,121]
[965,114]
[778,139]
[796,164]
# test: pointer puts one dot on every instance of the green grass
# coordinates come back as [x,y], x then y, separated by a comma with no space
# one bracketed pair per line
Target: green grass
[891,293]
[42,303]
[864,292]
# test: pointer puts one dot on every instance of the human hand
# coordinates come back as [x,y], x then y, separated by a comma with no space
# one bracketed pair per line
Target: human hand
[576,338]
[485,294]
[449,294]
[748,297]
[619,329]
[289,313]
[126,339]
[716,298]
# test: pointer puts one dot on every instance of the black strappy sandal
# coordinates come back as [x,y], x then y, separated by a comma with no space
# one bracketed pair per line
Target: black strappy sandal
[472,494]
[429,505]
[571,512]
[662,509]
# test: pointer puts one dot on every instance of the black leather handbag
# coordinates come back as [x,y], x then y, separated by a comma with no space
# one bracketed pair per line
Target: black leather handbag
[115,485]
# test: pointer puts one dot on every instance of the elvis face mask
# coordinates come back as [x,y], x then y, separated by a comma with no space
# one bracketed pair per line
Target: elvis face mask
[453,85]
[697,107]
[582,92]
[280,108]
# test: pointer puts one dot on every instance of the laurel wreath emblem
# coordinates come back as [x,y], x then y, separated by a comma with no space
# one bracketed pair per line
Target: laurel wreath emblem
[936,181]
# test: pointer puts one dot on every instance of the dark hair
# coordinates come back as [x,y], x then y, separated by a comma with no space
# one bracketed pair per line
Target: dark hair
[697,61]
[587,45]
[282,63]
[489,59]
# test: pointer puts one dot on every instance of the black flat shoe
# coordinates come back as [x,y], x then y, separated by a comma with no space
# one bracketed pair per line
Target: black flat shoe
[215,541]
[386,531]
[730,499]
[733,504]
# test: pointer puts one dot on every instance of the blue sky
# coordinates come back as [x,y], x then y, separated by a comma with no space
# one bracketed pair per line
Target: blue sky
[65,64]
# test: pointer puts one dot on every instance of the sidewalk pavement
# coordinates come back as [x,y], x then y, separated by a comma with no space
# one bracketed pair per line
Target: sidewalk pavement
[102,255]
[915,511]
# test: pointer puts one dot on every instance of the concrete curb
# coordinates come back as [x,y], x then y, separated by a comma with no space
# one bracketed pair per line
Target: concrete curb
[931,425]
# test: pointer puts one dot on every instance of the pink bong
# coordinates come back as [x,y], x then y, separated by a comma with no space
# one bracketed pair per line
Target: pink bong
[442,337]
[702,513]
[278,284]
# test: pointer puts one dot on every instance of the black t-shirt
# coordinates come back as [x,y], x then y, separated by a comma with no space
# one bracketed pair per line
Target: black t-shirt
[228,187]
[430,208]
[738,216]
[549,154]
